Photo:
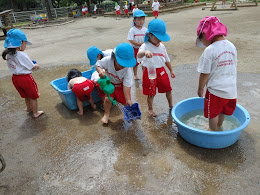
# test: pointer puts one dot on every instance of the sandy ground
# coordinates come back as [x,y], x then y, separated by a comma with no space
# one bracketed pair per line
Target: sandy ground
[62,153]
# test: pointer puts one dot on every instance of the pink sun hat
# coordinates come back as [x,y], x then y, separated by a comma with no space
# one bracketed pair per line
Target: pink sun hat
[210,26]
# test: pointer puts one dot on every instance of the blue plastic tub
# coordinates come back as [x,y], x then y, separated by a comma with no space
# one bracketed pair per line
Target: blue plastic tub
[208,139]
[132,113]
[67,96]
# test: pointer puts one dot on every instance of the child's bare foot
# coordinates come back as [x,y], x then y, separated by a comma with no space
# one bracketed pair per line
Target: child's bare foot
[80,113]
[152,113]
[136,78]
[39,113]
[105,120]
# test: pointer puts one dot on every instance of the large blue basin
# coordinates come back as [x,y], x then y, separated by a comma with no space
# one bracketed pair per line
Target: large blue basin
[208,139]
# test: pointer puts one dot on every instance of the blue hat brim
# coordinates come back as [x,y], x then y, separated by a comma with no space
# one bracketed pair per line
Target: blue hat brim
[163,38]
[140,15]
[93,56]
[14,43]
[126,63]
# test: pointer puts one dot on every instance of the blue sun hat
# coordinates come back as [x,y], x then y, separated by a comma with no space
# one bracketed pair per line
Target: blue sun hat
[124,53]
[92,55]
[139,13]
[158,28]
[14,39]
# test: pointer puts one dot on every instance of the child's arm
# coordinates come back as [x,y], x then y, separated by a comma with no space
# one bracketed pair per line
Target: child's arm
[135,43]
[168,64]
[69,85]
[147,54]
[202,82]
[127,95]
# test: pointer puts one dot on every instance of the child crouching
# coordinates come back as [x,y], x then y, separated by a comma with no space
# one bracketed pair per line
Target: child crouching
[82,87]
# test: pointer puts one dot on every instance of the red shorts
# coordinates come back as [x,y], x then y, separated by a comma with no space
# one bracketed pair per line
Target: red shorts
[100,92]
[26,86]
[155,13]
[83,89]
[214,105]
[95,12]
[135,52]
[126,11]
[83,13]
[118,12]
[118,94]
[162,82]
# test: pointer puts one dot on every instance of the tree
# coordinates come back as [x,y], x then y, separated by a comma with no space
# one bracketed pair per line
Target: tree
[48,9]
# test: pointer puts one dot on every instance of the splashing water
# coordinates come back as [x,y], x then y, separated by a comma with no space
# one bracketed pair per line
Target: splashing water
[197,120]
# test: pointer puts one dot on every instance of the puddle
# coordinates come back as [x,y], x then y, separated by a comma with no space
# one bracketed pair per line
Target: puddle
[76,154]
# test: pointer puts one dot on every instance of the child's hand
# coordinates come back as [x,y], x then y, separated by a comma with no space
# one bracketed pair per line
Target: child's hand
[129,102]
[36,67]
[101,74]
[200,92]
[148,54]
[172,74]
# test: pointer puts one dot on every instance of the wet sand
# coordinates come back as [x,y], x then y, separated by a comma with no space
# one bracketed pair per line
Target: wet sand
[63,153]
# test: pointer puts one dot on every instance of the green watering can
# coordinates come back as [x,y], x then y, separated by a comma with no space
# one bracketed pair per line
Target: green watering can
[107,87]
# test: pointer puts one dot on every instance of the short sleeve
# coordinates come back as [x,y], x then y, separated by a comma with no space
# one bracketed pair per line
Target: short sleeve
[128,78]
[204,65]
[130,34]
[104,62]
[25,60]
[142,48]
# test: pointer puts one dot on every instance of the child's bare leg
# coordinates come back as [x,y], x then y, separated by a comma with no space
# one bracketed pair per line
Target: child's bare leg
[213,123]
[135,72]
[150,106]
[80,106]
[92,103]
[221,118]
[169,98]
[28,105]
[107,107]
[34,106]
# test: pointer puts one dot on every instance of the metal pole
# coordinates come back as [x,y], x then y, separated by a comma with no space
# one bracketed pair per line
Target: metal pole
[55,12]
[14,17]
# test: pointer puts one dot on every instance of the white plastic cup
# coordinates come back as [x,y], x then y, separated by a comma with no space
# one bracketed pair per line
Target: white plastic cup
[149,64]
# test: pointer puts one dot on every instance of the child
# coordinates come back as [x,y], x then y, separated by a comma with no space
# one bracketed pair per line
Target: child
[126,10]
[217,68]
[117,7]
[94,54]
[134,8]
[155,8]
[136,35]
[82,87]
[95,9]
[153,48]
[117,68]
[83,11]
[21,66]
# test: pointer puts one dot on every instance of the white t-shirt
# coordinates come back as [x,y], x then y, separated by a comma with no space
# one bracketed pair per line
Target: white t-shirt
[160,56]
[83,9]
[95,8]
[220,61]
[156,6]
[20,63]
[124,75]
[134,9]
[117,7]
[136,35]
[126,7]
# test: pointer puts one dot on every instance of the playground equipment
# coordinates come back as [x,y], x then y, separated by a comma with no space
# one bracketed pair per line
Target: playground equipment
[39,18]
[107,87]
[232,7]
[75,14]
[7,22]
[254,3]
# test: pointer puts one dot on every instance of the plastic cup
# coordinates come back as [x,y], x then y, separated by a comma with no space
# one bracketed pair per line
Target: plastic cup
[149,63]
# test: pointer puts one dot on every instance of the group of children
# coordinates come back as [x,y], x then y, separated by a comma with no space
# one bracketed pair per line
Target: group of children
[155,8]
[217,68]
